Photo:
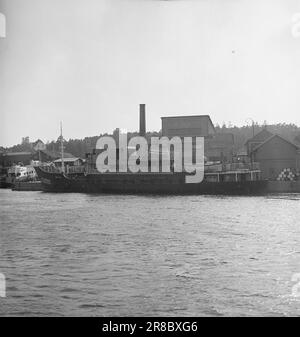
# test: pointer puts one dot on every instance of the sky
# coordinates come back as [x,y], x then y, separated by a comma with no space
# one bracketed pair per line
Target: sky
[90,63]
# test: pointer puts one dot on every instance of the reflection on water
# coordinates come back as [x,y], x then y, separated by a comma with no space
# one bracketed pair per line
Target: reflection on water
[78,254]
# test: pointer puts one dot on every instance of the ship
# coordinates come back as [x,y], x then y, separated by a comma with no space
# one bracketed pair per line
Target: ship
[17,174]
[219,178]
[221,183]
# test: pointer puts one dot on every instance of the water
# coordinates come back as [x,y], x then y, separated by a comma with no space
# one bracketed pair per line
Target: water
[88,255]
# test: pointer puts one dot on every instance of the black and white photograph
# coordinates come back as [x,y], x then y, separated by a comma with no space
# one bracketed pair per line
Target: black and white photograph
[149,161]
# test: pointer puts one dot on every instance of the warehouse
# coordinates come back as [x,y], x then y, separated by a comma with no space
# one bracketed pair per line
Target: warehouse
[188,126]
[279,158]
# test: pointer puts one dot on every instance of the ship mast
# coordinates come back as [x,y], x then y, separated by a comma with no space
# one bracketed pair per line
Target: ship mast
[62,149]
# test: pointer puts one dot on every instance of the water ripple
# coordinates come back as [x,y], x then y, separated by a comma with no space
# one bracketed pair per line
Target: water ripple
[87,255]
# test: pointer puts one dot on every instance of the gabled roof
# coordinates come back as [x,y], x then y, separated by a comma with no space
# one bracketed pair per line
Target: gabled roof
[37,141]
[260,137]
[272,137]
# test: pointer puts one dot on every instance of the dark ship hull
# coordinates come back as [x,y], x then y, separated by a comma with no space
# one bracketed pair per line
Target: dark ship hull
[144,183]
[4,184]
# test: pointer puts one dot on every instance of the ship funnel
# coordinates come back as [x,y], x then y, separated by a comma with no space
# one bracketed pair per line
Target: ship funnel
[142,120]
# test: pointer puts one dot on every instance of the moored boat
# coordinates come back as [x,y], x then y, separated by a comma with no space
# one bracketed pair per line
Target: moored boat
[170,176]
[237,182]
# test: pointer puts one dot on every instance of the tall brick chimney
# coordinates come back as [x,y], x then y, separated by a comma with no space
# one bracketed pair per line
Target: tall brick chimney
[142,120]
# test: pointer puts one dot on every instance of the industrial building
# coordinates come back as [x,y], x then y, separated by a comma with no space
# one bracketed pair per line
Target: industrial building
[218,146]
[188,126]
[276,156]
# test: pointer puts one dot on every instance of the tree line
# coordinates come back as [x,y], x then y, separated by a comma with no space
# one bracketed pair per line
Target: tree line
[79,147]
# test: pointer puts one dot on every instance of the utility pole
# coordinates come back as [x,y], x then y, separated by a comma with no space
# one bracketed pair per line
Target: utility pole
[249,151]
[62,149]
[252,125]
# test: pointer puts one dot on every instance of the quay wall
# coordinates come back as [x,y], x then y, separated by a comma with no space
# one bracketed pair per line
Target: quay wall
[284,186]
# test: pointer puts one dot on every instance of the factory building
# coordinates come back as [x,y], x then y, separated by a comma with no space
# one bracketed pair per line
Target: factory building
[188,126]
[218,146]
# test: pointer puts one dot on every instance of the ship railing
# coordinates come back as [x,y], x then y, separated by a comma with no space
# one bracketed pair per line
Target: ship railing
[213,168]
[232,167]
[75,169]
[50,169]
[68,169]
